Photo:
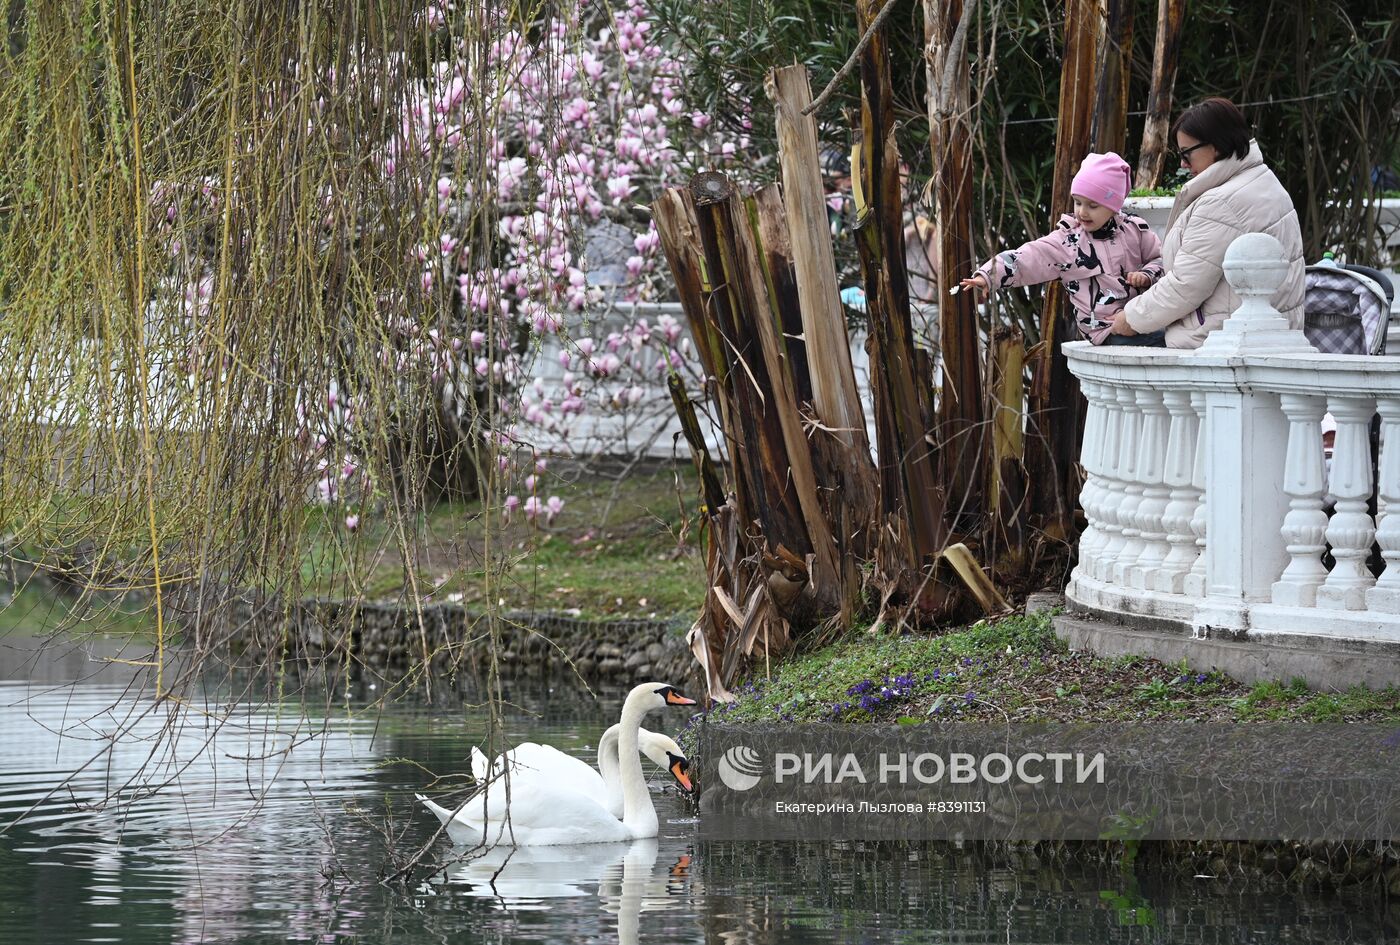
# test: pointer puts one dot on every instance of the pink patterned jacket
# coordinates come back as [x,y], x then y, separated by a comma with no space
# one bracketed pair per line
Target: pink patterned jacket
[1093,266]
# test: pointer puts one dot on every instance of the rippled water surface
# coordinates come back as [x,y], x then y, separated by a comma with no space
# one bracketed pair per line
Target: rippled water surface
[230,820]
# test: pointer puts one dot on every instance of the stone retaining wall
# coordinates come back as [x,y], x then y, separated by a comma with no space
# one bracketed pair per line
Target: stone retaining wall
[389,637]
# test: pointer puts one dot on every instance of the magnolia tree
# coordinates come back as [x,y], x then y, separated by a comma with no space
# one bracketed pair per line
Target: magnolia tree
[529,169]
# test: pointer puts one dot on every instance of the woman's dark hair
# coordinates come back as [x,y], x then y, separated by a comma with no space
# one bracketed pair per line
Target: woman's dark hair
[1217,122]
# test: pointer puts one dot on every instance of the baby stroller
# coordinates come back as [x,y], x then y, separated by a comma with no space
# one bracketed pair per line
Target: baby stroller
[1346,309]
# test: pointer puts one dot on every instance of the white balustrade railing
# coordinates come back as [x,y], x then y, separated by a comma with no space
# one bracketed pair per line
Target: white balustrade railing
[1208,495]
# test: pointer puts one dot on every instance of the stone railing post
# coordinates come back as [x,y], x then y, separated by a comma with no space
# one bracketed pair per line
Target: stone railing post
[1255,266]
[1245,443]
[1351,530]
[1111,494]
[1142,573]
[1130,470]
[1305,525]
[1385,596]
[1195,583]
[1184,497]
[1092,538]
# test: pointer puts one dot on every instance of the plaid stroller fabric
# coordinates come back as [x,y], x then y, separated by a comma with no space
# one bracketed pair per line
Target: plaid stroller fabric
[1344,312]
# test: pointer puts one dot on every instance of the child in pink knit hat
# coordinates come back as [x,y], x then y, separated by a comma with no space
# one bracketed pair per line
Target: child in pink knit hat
[1103,255]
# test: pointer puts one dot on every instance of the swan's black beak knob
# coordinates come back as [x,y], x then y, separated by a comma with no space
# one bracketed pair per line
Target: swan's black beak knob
[678,771]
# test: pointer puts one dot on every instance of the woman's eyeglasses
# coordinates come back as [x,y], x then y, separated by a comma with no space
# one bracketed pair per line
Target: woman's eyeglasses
[1184,154]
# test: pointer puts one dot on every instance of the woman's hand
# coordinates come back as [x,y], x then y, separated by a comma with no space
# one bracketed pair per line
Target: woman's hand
[978,283]
[1120,325]
[1139,280]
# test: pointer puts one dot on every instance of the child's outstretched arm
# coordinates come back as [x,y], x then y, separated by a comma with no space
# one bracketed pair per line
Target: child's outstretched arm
[1041,260]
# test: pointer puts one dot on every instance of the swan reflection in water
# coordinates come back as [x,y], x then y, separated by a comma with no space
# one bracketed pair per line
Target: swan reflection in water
[624,876]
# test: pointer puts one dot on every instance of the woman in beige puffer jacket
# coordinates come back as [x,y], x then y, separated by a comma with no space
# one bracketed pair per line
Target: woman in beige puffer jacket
[1231,193]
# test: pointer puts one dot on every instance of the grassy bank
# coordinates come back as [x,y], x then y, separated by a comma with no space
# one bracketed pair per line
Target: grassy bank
[1017,670]
[37,610]
[621,547]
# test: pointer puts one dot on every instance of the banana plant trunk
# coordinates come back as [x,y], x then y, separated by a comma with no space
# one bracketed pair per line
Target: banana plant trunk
[961,426]
[1165,53]
[1055,402]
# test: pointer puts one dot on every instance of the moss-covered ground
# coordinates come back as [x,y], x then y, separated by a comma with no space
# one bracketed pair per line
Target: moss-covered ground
[1017,670]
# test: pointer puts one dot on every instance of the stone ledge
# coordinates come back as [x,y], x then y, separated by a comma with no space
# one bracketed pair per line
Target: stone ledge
[388,637]
[1323,663]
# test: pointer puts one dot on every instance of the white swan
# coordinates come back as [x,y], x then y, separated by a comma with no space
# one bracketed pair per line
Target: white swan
[530,759]
[543,812]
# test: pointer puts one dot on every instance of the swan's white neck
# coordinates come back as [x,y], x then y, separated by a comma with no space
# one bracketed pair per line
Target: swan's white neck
[607,766]
[638,814]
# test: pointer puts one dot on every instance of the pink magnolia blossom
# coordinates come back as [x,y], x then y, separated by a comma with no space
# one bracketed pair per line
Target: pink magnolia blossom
[607,365]
[583,120]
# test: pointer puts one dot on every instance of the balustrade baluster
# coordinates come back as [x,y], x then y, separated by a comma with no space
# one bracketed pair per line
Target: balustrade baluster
[1151,465]
[1111,495]
[1351,530]
[1195,583]
[1183,497]
[1385,596]
[1091,539]
[1305,526]
[1131,473]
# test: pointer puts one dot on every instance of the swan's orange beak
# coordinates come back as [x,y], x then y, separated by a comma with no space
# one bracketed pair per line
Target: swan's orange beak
[675,698]
[679,773]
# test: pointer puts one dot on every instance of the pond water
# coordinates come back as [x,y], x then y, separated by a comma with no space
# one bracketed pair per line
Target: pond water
[232,820]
